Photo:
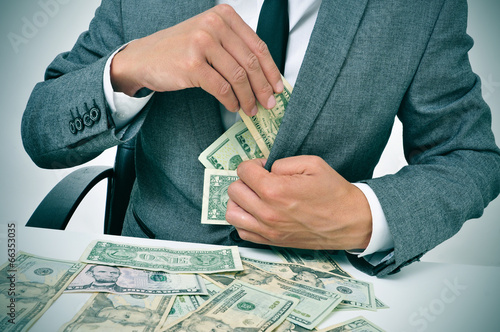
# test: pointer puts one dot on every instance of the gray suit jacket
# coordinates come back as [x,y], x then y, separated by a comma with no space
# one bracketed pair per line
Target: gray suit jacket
[367,62]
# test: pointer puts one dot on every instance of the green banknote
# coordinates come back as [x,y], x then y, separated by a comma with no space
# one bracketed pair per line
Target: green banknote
[121,312]
[231,148]
[314,303]
[244,140]
[358,324]
[224,153]
[28,287]
[215,196]
[318,259]
[185,304]
[239,307]
[357,293]
[265,125]
[126,280]
[163,259]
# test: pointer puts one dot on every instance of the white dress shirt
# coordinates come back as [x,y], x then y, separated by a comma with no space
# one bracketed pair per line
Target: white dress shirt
[302,17]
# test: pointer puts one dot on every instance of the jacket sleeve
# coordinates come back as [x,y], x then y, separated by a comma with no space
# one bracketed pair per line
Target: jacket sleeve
[453,167]
[66,121]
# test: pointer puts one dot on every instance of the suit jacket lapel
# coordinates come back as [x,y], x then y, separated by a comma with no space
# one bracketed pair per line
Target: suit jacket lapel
[330,41]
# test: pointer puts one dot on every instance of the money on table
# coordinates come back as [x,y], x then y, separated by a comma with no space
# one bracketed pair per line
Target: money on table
[162,258]
[32,284]
[125,280]
[121,312]
[357,293]
[239,306]
[314,303]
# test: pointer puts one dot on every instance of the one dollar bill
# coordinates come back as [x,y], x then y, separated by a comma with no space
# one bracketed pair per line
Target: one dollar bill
[163,259]
[215,196]
[29,286]
[240,306]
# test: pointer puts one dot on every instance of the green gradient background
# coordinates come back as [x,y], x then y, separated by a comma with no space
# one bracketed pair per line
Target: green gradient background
[23,185]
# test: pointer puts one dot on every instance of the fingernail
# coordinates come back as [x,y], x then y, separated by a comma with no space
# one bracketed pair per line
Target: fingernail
[254,111]
[280,86]
[271,102]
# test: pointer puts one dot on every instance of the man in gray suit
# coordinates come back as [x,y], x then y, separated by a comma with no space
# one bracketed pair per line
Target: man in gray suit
[354,65]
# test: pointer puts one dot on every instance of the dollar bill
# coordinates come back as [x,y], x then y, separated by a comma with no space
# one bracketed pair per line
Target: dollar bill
[378,303]
[225,152]
[357,293]
[215,196]
[124,280]
[317,259]
[240,306]
[28,287]
[185,304]
[162,258]
[265,125]
[121,312]
[315,303]
[244,141]
[358,324]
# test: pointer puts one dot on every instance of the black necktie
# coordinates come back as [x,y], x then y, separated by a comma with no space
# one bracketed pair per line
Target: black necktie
[273,29]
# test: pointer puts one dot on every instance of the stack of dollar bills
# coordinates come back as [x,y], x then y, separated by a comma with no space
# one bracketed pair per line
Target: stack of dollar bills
[249,138]
[139,288]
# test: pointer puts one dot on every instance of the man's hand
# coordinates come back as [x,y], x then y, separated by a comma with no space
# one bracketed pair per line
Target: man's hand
[215,50]
[301,203]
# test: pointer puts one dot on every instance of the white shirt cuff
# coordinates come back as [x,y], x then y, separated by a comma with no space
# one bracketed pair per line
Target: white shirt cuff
[123,107]
[381,238]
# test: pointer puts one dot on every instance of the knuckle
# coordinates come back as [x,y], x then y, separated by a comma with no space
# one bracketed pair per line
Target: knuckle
[268,216]
[224,89]
[230,214]
[261,48]
[192,64]
[316,161]
[274,235]
[266,89]
[240,75]
[231,189]
[253,62]
[248,102]
[245,236]
[201,38]
[213,20]
[224,9]
[269,193]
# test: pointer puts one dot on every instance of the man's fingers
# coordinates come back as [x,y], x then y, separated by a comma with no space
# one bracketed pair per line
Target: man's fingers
[256,46]
[212,82]
[245,223]
[304,165]
[249,74]
[253,173]
[244,197]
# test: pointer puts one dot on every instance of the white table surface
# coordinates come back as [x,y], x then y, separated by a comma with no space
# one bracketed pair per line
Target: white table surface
[422,297]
